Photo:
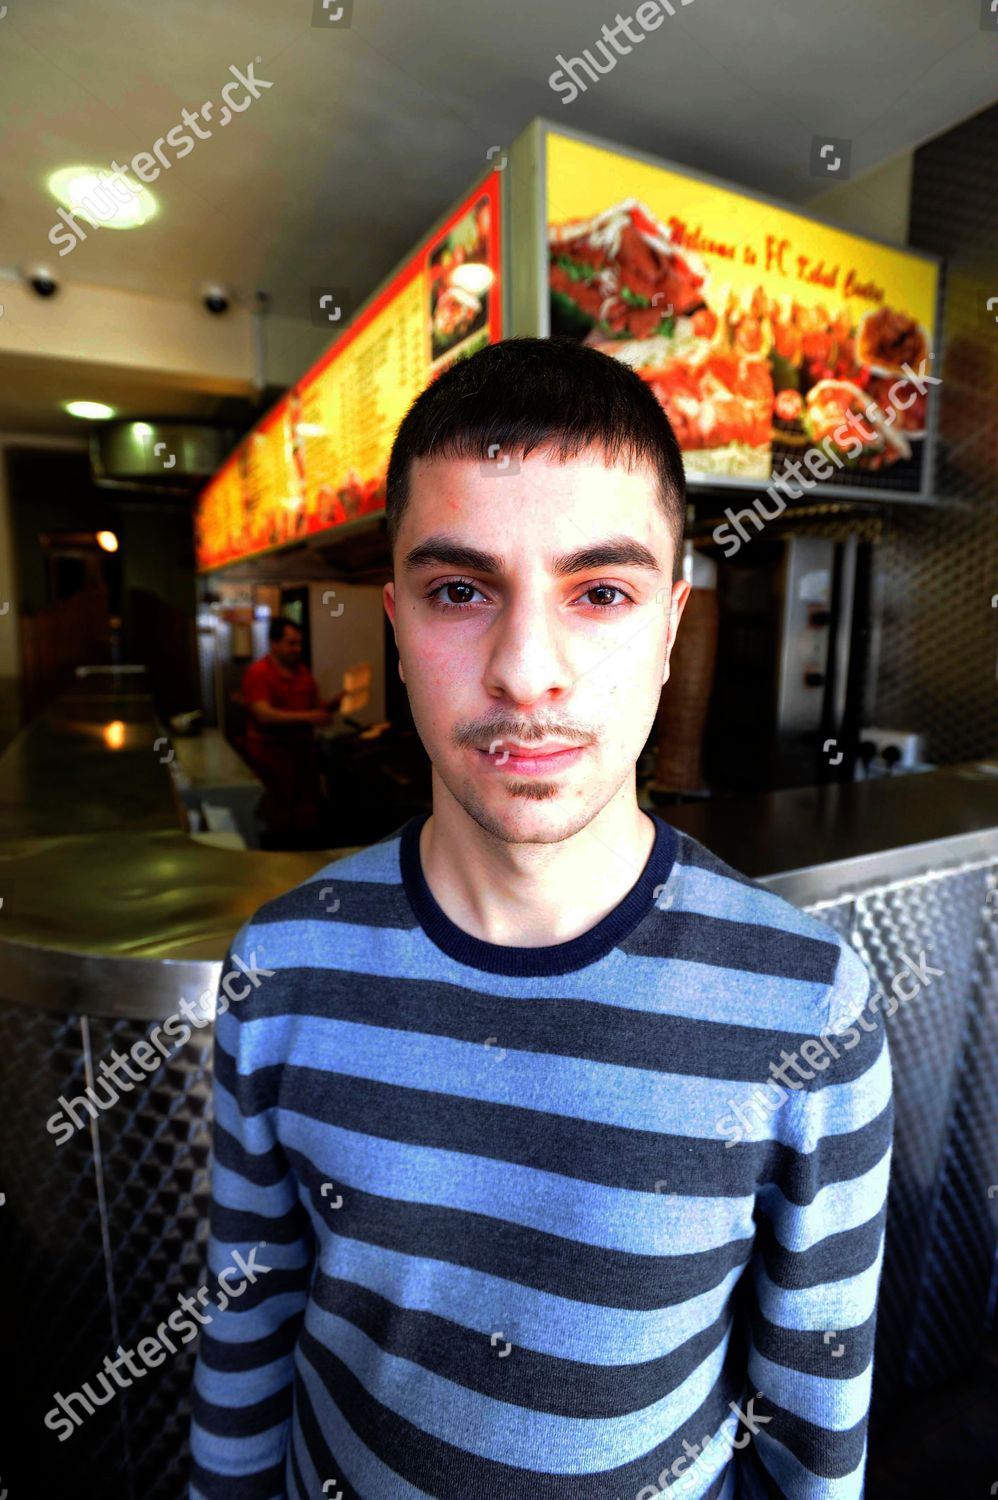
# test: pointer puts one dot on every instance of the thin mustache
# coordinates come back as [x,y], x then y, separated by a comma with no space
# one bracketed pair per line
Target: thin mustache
[517,736]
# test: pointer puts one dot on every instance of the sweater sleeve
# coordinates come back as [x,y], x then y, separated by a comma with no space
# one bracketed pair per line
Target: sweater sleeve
[260,1252]
[815,1270]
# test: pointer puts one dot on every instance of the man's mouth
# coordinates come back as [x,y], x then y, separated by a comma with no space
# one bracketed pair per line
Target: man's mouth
[525,760]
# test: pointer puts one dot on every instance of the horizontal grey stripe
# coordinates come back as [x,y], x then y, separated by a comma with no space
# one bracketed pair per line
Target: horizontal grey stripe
[563,1387]
[558,1026]
[610,1155]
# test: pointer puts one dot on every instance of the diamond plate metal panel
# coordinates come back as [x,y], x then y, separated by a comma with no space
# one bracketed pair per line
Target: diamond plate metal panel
[155,1146]
[939,916]
[56,1309]
[100,1236]
[963,1239]
[838,914]
[936,1293]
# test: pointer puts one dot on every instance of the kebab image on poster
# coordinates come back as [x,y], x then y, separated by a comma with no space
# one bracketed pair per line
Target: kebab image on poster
[843,383]
[763,333]
[618,281]
[460,280]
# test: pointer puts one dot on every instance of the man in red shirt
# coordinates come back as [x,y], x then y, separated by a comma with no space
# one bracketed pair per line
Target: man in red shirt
[282,707]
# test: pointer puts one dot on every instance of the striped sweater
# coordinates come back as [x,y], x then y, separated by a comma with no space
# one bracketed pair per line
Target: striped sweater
[541,1223]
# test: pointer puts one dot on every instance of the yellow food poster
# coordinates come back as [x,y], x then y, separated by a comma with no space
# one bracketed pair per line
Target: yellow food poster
[319,458]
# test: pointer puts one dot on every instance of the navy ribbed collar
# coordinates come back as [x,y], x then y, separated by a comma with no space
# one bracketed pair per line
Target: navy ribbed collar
[557,958]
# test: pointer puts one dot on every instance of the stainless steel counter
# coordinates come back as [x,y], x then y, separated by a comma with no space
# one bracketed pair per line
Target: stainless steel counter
[110,907]
[812,843]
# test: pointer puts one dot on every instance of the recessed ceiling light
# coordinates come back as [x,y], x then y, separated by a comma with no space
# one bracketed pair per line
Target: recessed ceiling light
[90,411]
[108,199]
[107,540]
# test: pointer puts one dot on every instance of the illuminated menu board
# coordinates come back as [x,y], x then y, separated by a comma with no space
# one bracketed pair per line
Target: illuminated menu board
[763,333]
[319,458]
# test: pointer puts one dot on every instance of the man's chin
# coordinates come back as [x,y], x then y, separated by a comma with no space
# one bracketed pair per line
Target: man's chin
[531,812]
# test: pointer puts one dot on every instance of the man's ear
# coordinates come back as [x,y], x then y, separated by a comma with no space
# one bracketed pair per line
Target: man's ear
[388,599]
[680,593]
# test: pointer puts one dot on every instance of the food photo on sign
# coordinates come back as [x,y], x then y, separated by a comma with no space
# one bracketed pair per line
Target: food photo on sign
[750,375]
[460,282]
[619,282]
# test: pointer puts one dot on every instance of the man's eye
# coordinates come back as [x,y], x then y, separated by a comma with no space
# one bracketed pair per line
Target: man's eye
[605,589]
[455,586]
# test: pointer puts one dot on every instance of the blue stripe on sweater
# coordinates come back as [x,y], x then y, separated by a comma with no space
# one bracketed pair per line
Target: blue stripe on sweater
[457,1415]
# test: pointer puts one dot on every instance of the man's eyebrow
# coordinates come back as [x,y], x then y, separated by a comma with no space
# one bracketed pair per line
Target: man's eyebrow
[614,551]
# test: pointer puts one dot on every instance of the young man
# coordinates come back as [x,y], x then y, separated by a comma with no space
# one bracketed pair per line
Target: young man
[539,1222]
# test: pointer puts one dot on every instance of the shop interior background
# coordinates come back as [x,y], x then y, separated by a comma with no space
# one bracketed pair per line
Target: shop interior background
[298,159]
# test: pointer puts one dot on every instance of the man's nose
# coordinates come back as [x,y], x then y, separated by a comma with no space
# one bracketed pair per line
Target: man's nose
[528,657]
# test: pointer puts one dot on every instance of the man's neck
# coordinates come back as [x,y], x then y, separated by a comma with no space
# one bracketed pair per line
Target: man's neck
[533,895]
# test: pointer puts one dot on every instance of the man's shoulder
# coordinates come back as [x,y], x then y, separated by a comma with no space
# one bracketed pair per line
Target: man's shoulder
[360,886]
[742,895]
[752,927]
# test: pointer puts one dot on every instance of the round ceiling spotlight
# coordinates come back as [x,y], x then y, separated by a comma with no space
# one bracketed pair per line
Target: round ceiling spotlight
[106,198]
[89,411]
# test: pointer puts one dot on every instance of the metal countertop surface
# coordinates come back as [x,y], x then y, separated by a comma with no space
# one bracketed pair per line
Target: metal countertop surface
[96,864]
[766,834]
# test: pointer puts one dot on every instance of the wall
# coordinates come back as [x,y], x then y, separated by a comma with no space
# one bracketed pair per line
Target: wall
[10,634]
[12,705]
[355,635]
[122,346]
[878,203]
[940,631]
[49,488]
[153,336]
[10,655]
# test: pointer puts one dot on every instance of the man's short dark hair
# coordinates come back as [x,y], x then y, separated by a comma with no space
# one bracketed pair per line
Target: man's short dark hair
[524,394]
[278,625]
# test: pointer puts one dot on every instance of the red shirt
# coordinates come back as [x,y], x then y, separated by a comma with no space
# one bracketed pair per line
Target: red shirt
[266,682]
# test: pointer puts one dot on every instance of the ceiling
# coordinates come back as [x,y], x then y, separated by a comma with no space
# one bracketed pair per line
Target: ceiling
[33,389]
[369,131]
